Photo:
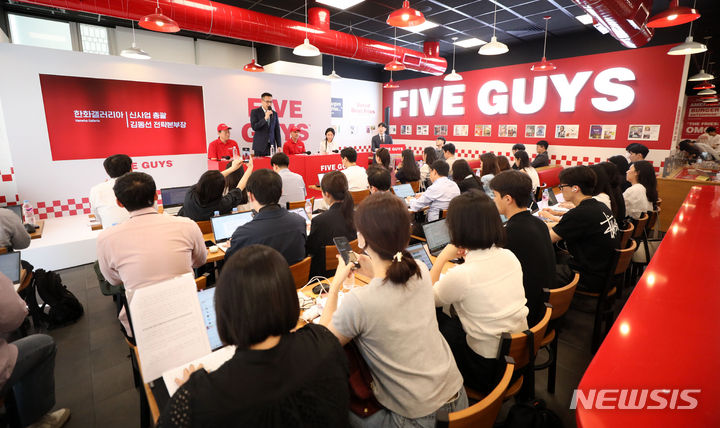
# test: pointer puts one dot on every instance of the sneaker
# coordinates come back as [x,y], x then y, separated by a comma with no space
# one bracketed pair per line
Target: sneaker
[54,419]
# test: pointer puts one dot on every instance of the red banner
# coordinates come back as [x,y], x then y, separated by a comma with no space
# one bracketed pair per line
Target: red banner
[94,118]
[596,100]
[699,116]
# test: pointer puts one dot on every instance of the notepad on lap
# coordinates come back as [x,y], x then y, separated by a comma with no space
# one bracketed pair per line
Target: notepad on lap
[210,362]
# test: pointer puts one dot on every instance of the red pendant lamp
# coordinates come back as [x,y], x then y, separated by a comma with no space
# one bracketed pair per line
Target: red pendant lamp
[159,22]
[705,85]
[394,65]
[673,15]
[252,66]
[406,16]
[544,65]
[390,84]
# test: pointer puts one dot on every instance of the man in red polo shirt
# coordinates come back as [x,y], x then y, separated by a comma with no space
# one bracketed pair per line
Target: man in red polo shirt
[294,146]
[222,148]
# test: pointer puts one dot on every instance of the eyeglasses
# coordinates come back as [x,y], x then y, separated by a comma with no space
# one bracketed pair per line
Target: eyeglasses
[561,186]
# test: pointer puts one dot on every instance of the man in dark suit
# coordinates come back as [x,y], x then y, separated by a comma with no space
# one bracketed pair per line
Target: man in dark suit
[264,122]
[381,138]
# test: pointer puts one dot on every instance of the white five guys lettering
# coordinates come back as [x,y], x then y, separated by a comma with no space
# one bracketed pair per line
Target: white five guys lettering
[495,97]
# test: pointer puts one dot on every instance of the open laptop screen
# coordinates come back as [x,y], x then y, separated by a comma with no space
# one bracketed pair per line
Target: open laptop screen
[224,226]
[173,196]
[207,307]
[418,252]
[403,190]
[437,235]
[10,266]
[301,212]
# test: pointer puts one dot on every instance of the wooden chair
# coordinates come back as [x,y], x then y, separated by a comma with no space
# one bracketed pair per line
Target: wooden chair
[331,253]
[299,204]
[626,234]
[3,250]
[483,413]
[301,271]
[201,281]
[205,226]
[604,312]
[359,195]
[560,299]
[640,226]
[415,185]
[443,213]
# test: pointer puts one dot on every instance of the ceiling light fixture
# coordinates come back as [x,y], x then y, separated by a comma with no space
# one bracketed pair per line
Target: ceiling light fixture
[252,66]
[707,92]
[706,85]
[394,65]
[702,75]
[494,47]
[390,84]
[673,15]
[688,47]
[405,16]
[134,52]
[306,49]
[453,76]
[544,65]
[159,22]
[333,75]
[340,4]
[422,27]
[470,43]
[585,19]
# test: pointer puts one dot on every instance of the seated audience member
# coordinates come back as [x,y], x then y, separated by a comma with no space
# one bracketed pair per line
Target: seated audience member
[589,230]
[527,237]
[13,235]
[328,145]
[522,161]
[488,171]
[464,177]
[486,291]
[222,147]
[449,154]
[382,157]
[356,175]
[603,192]
[695,150]
[642,195]
[408,169]
[637,152]
[622,165]
[503,163]
[710,138]
[27,365]
[335,222]
[439,194]
[278,376]
[415,375]
[439,143]
[542,158]
[517,147]
[379,178]
[429,157]
[102,198]
[294,146]
[206,197]
[617,202]
[293,185]
[273,225]
[149,247]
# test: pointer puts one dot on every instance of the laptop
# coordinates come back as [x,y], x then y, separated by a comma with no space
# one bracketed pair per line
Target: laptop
[207,308]
[403,190]
[301,212]
[550,195]
[10,266]
[320,177]
[437,236]
[173,198]
[224,226]
[17,209]
[419,252]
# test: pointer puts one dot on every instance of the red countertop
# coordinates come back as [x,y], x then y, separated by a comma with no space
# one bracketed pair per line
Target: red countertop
[666,337]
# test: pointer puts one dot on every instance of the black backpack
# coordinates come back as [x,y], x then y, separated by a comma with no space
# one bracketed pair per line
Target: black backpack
[64,306]
[532,414]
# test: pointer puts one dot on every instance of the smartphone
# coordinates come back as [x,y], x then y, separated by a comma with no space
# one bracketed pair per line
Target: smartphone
[209,244]
[346,252]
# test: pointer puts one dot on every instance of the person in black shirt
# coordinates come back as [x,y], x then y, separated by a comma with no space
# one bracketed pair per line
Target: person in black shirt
[589,230]
[336,221]
[514,149]
[622,165]
[527,238]
[379,178]
[206,197]
[542,158]
[277,377]
[465,177]
[408,170]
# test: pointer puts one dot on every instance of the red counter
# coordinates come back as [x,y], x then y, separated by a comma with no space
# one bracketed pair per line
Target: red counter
[666,337]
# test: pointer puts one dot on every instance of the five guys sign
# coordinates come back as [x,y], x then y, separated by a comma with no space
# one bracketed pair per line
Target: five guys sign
[284,109]
[639,86]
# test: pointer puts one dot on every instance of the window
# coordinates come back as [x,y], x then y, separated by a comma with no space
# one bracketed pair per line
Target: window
[45,33]
[94,39]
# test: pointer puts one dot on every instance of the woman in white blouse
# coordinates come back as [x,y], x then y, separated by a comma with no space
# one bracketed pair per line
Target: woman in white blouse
[429,156]
[522,160]
[642,195]
[327,145]
[486,291]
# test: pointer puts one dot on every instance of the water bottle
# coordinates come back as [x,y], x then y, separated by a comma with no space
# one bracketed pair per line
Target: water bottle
[216,214]
[234,153]
[28,213]
[308,208]
[272,150]
[234,210]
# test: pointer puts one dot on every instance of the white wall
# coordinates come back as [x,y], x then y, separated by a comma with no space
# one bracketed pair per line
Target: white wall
[362,111]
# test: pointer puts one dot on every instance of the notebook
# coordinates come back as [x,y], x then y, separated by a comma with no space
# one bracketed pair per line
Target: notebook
[301,212]
[437,236]
[173,199]
[224,226]
[207,307]
[403,190]
[419,252]
[10,266]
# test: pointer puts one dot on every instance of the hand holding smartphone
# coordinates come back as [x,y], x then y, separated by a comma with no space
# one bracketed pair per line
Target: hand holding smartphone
[346,252]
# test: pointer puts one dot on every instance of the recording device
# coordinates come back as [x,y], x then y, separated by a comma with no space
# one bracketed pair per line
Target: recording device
[346,252]
[209,244]
[308,152]
[321,288]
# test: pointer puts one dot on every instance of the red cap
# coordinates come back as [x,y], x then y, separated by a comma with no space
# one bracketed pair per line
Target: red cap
[294,128]
[223,127]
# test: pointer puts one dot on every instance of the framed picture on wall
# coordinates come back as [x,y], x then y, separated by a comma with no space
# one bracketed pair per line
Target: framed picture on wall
[602,132]
[535,131]
[644,132]
[540,131]
[423,130]
[529,130]
[405,129]
[441,130]
[392,129]
[567,131]
[460,130]
[483,130]
[512,130]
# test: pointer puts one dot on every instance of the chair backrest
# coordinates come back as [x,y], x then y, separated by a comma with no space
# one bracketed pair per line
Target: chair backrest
[359,196]
[626,234]
[624,258]
[3,250]
[539,192]
[331,253]
[560,298]
[640,226]
[517,346]
[201,282]
[652,219]
[415,185]
[443,213]
[205,226]
[483,413]
[299,204]
[300,272]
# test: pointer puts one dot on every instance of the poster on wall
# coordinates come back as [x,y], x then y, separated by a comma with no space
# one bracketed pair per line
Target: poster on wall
[483,130]
[535,131]
[460,130]
[644,132]
[392,129]
[698,117]
[507,131]
[423,130]
[405,129]
[566,131]
[602,132]
[94,118]
[440,130]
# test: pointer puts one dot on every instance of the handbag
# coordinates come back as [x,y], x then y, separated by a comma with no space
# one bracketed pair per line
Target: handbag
[362,400]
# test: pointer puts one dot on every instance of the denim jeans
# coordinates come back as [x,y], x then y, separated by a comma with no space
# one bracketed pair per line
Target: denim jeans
[33,378]
[387,418]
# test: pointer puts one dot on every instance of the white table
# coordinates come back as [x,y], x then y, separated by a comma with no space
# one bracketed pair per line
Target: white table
[66,242]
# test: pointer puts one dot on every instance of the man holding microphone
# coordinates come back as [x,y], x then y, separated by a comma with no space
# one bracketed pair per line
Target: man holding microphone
[264,122]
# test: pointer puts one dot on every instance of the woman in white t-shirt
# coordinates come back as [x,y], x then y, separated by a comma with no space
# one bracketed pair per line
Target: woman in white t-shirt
[327,145]
[522,161]
[642,195]
[429,156]
[486,291]
[392,320]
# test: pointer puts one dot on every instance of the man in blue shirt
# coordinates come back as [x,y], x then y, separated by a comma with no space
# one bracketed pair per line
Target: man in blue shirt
[437,197]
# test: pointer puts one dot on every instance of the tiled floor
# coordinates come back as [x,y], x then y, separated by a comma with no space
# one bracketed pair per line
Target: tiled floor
[94,377]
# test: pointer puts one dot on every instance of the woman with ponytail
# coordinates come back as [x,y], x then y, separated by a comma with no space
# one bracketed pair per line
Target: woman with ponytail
[336,221]
[486,291]
[393,322]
